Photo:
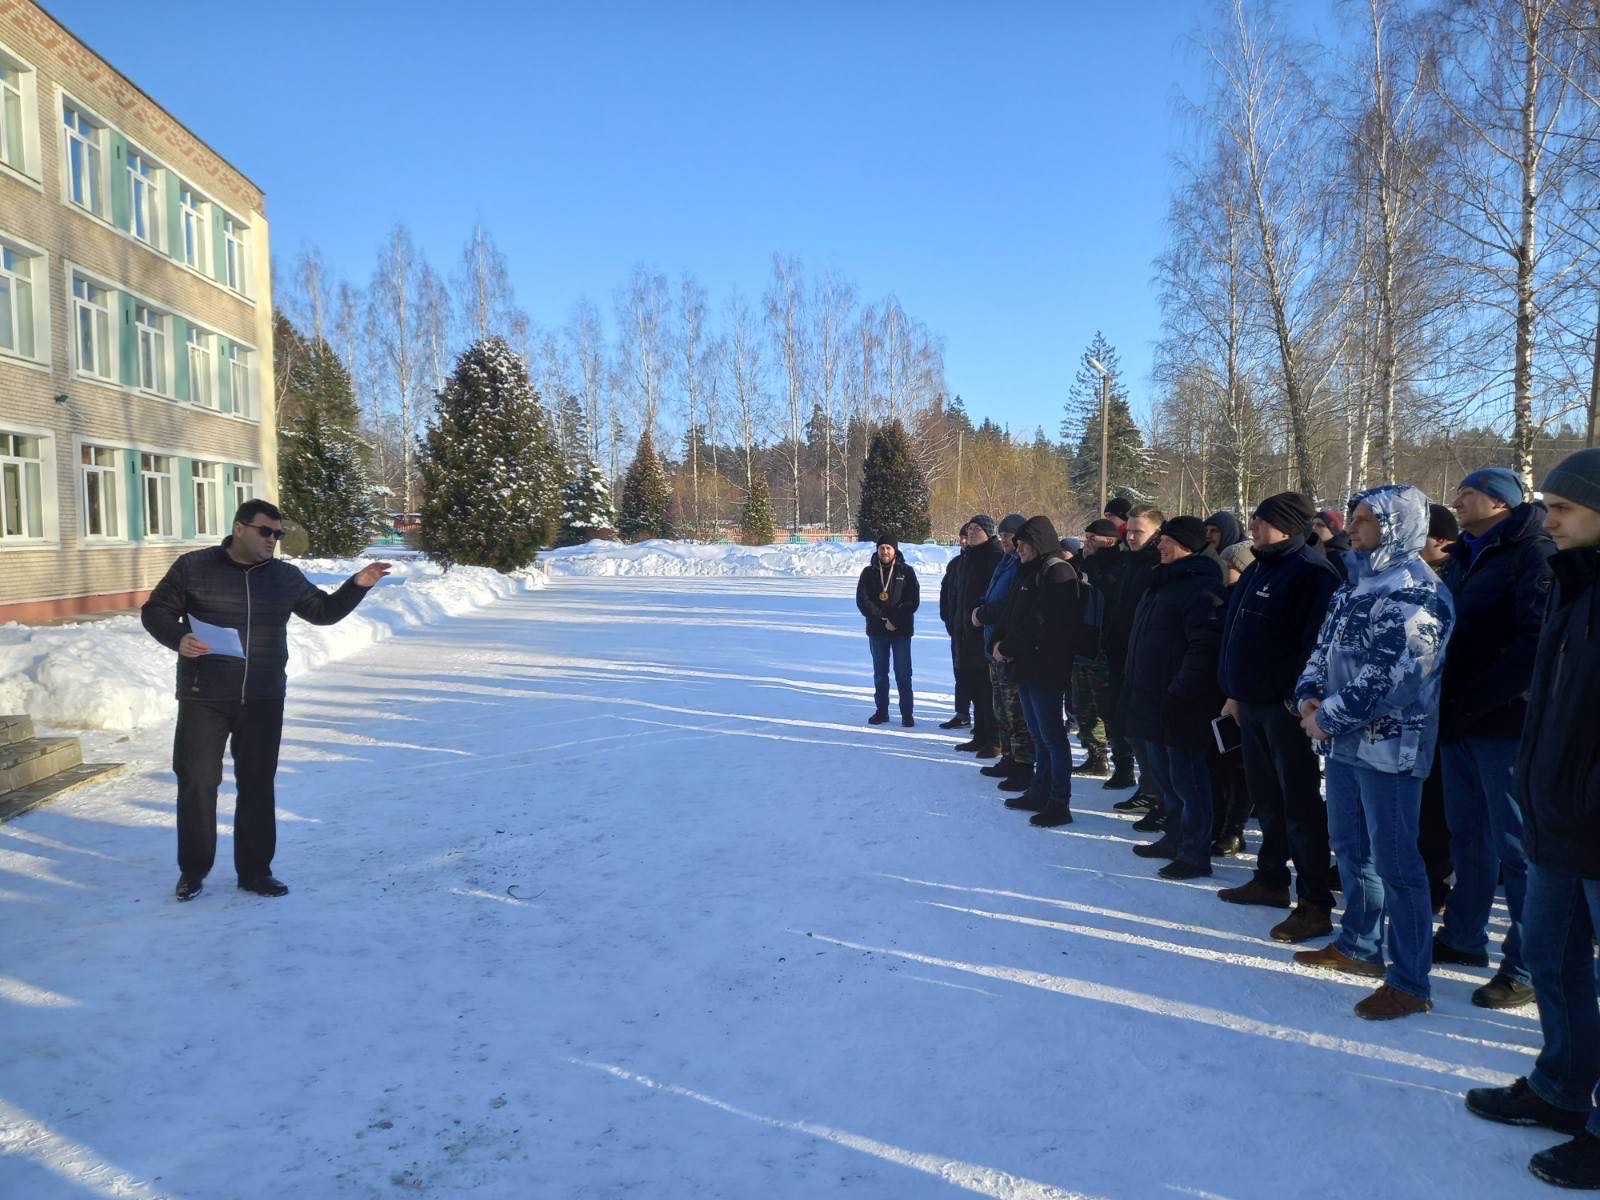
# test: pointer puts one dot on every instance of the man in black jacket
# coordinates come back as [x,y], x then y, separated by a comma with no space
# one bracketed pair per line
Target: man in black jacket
[1170,691]
[978,562]
[887,595]
[1501,597]
[1135,567]
[1558,788]
[1274,614]
[242,588]
[950,617]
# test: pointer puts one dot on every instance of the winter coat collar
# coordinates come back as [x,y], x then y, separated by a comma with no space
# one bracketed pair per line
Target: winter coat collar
[1521,523]
[1195,566]
[1281,549]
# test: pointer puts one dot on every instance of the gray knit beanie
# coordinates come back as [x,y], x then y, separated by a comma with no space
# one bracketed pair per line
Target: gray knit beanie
[1577,477]
[1012,522]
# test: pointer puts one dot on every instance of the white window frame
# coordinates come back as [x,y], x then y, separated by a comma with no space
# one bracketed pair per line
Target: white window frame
[207,496]
[90,176]
[196,229]
[202,369]
[150,326]
[36,283]
[165,481]
[19,155]
[103,331]
[241,382]
[45,474]
[234,233]
[144,175]
[109,481]
[243,489]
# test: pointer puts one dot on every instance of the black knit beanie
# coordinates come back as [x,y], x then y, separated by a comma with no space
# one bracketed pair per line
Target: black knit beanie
[1289,512]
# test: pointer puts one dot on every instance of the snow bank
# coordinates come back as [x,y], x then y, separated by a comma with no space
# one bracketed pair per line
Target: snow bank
[111,674]
[693,558]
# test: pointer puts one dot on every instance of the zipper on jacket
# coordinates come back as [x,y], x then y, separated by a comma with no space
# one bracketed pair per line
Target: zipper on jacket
[245,678]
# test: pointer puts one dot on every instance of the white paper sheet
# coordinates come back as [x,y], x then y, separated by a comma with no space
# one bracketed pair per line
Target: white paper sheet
[221,638]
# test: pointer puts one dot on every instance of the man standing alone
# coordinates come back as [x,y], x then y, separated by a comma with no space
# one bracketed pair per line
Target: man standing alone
[242,588]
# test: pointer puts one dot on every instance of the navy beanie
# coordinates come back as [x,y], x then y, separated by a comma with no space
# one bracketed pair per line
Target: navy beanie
[1012,523]
[1498,482]
[1577,478]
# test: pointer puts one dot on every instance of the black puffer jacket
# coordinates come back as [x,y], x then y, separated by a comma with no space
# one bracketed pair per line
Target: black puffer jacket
[1170,692]
[1042,624]
[904,596]
[257,601]
[947,594]
[1558,767]
[1122,596]
[972,581]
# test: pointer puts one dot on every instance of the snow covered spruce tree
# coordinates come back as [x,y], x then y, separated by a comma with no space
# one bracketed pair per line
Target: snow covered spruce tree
[755,518]
[491,473]
[646,495]
[586,506]
[894,492]
[324,486]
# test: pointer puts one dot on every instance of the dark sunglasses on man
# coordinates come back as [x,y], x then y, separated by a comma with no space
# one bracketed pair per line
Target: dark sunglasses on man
[268,531]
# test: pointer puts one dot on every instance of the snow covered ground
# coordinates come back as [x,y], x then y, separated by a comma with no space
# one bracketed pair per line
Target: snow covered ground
[671,558]
[605,890]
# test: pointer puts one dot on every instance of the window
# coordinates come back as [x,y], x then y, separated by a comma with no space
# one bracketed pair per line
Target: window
[91,306]
[13,147]
[233,247]
[102,491]
[21,487]
[244,485]
[144,210]
[83,161]
[201,391]
[207,499]
[155,478]
[16,302]
[152,329]
[244,401]
[196,236]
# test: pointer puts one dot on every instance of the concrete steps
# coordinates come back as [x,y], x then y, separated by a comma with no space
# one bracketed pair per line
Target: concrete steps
[33,769]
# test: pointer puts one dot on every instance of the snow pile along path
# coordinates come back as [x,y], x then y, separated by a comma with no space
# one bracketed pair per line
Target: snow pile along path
[668,558]
[113,675]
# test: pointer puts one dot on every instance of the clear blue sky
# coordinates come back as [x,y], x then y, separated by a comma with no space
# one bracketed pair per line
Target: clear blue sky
[1003,167]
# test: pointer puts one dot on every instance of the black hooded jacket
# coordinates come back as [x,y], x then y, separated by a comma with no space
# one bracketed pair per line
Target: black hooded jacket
[1041,625]
[1122,595]
[972,581]
[904,596]
[1170,692]
[258,601]
[947,594]
[1558,765]
[1228,525]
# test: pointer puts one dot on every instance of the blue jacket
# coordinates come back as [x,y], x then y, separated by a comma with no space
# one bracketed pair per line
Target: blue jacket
[1274,613]
[1501,596]
[1379,658]
[997,598]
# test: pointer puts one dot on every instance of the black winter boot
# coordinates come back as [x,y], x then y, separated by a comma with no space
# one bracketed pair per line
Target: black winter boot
[1051,816]
[1033,800]
[1574,1164]
[1519,1104]
[878,718]
[967,747]
[956,722]
[1019,780]
[1095,764]
[1122,777]
[999,768]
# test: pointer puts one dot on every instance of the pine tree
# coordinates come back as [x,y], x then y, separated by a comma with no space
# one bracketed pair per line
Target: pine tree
[894,492]
[646,495]
[324,487]
[1128,466]
[755,516]
[491,471]
[586,507]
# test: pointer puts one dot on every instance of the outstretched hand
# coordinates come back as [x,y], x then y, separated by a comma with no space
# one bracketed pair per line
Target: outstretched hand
[371,573]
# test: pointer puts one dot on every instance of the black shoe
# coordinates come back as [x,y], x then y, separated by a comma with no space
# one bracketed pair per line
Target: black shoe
[1122,777]
[956,722]
[1000,768]
[1017,781]
[264,885]
[1574,1164]
[1178,869]
[990,751]
[878,718]
[1137,802]
[1051,816]
[907,722]
[1032,800]
[190,886]
[1153,821]
[1443,953]
[1227,845]
[1502,992]
[1519,1104]
[1092,766]
[1162,848]
[966,747]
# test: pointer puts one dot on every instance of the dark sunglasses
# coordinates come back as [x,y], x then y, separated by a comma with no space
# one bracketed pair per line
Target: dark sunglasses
[268,531]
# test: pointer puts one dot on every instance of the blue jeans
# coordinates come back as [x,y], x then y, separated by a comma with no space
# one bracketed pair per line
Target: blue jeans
[1052,750]
[1372,827]
[1184,781]
[1559,922]
[882,649]
[1480,806]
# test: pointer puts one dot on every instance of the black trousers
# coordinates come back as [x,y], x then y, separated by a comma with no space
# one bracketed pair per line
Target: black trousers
[205,727]
[1231,808]
[1285,785]
[963,692]
[973,682]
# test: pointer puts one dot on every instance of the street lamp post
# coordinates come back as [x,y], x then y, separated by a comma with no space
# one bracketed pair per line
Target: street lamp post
[1105,423]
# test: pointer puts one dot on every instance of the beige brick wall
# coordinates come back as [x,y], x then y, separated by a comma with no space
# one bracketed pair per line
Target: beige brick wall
[119,416]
